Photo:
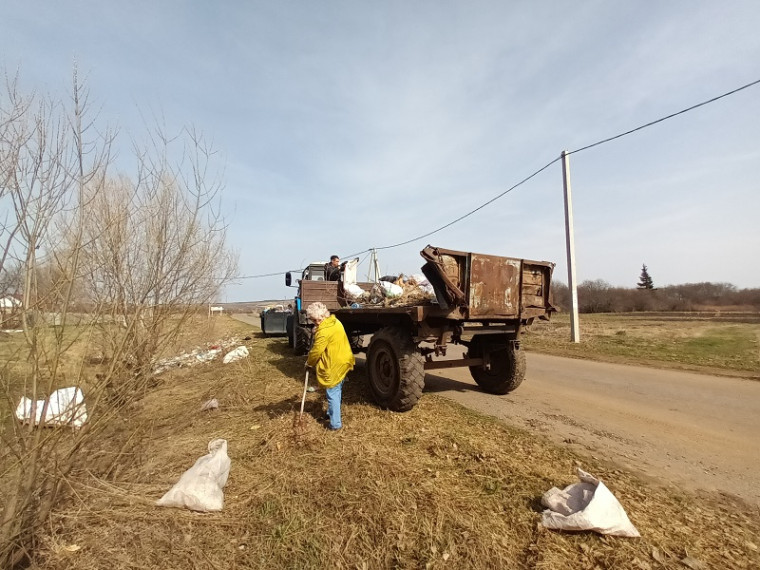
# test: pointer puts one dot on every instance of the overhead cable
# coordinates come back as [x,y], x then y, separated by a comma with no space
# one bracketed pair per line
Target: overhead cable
[527,178]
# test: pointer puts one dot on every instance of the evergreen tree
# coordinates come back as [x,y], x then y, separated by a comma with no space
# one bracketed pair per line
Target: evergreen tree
[645,281]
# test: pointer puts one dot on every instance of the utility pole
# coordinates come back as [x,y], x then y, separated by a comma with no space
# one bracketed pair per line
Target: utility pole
[575,335]
[374,267]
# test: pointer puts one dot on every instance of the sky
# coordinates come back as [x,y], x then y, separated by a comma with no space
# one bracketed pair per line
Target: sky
[346,125]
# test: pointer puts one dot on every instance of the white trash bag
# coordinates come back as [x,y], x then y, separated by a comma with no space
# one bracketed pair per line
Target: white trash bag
[200,487]
[239,353]
[391,290]
[353,291]
[65,407]
[588,505]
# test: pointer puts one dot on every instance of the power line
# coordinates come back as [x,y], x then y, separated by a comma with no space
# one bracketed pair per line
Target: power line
[471,212]
[537,172]
[681,112]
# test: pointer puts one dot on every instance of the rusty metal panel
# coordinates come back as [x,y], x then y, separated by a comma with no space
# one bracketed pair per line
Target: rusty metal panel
[494,286]
[535,288]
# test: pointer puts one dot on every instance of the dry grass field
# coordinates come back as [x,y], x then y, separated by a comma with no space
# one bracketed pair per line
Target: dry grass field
[437,487]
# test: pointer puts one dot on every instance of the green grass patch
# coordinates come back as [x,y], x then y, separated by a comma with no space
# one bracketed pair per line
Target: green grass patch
[664,340]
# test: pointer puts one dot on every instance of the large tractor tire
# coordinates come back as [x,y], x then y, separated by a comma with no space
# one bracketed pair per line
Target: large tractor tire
[302,339]
[507,363]
[396,369]
[289,331]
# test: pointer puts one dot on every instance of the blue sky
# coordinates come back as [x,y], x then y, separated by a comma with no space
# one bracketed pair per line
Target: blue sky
[343,125]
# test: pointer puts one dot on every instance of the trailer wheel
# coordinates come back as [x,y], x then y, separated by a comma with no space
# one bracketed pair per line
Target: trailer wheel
[302,339]
[396,369]
[507,364]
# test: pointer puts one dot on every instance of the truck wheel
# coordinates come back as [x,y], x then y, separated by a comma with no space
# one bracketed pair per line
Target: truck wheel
[396,369]
[289,330]
[507,370]
[302,340]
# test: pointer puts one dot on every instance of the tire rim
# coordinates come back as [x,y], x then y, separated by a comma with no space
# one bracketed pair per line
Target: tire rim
[385,368]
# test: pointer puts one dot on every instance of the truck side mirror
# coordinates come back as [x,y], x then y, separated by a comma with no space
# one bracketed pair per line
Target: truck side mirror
[288,279]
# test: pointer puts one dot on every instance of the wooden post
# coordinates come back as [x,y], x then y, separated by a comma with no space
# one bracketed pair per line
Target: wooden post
[575,335]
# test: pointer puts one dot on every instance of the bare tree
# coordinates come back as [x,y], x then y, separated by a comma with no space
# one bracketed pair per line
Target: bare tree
[139,252]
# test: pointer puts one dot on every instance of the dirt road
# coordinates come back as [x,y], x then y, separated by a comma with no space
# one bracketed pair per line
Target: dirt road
[689,430]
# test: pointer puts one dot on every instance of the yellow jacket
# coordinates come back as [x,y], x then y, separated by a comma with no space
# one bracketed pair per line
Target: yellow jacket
[331,353]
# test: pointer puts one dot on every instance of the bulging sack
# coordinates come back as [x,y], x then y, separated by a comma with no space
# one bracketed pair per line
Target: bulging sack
[64,407]
[200,487]
[391,290]
[353,291]
[586,505]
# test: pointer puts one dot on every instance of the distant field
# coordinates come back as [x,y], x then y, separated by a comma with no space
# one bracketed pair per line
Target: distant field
[722,343]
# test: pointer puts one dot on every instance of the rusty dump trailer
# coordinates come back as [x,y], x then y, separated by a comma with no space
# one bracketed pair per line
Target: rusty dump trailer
[483,302]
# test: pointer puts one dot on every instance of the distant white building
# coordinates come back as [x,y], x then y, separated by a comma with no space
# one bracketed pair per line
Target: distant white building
[9,303]
[9,308]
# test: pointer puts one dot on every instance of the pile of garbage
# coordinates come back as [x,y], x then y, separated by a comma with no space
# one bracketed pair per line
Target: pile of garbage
[393,291]
[199,356]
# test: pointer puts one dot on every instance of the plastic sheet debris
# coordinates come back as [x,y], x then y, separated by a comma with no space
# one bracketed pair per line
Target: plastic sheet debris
[64,407]
[200,487]
[587,505]
[237,354]
[209,405]
[194,357]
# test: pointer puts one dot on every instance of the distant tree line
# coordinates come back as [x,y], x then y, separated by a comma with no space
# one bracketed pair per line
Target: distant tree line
[598,296]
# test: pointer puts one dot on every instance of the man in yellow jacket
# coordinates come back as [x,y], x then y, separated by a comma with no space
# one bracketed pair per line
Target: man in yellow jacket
[331,355]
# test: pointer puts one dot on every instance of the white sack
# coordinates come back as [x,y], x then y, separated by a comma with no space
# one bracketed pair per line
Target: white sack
[200,487]
[65,407]
[391,290]
[420,279]
[588,505]
[353,291]
[237,354]
[349,271]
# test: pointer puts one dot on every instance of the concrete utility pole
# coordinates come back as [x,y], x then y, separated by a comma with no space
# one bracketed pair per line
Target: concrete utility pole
[575,335]
[374,267]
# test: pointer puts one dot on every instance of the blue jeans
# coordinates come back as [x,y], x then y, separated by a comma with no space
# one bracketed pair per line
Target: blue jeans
[333,405]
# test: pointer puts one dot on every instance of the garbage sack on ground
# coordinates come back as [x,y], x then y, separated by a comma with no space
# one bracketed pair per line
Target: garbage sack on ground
[65,407]
[200,487]
[209,405]
[588,505]
[239,353]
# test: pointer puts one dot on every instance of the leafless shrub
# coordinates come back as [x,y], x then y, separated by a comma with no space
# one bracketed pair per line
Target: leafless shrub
[138,252]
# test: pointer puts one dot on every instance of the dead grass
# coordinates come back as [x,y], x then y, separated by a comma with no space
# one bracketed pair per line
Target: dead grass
[437,487]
